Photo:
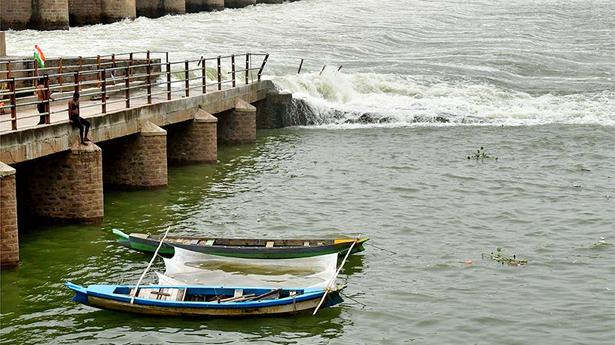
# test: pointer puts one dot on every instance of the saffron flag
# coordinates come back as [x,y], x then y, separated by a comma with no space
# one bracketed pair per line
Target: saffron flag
[39,56]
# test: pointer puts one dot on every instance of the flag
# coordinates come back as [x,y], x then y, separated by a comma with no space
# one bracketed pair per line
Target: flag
[39,56]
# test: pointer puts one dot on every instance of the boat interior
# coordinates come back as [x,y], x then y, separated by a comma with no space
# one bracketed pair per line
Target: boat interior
[220,295]
[232,242]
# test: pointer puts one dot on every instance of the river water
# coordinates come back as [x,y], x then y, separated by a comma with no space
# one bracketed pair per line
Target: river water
[423,85]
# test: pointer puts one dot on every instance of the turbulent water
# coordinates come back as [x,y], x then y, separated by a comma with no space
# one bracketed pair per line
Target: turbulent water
[423,84]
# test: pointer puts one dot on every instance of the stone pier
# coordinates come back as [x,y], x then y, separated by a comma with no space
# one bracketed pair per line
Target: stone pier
[269,1]
[65,187]
[2,44]
[238,126]
[194,141]
[137,161]
[88,12]
[272,111]
[39,15]
[9,239]
[159,8]
[195,6]
[238,3]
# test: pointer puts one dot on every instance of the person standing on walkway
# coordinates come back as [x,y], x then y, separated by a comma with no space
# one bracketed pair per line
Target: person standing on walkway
[43,96]
[76,120]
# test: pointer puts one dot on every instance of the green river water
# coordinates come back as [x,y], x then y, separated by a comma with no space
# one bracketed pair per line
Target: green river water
[548,198]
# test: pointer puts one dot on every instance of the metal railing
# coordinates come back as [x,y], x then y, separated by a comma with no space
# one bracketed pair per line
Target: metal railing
[127,79]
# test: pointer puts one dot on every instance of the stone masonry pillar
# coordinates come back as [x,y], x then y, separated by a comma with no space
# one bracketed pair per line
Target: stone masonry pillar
[2,44]
[9,241]
[194,141]
[138,161]
[195,6]
[68,186]
[238,126]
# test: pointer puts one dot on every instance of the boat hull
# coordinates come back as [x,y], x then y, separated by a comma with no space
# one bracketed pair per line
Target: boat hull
[146,243]
[300,304]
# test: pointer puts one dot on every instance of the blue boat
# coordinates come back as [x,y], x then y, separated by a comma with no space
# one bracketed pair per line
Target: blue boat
[204,300]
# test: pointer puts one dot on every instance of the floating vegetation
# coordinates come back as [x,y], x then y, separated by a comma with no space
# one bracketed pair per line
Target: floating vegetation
[481,154]
[500,257]
[601,243]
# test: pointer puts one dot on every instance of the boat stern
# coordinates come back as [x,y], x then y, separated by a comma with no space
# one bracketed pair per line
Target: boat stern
[81,293]
[122,238]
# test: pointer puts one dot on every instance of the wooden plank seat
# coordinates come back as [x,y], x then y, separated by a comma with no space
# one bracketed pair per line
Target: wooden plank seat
[161,294]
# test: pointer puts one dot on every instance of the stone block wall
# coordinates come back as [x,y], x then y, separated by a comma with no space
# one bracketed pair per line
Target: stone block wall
[9,238]
[84,12]
[2,44]
[34,14]
[194,141]
[238,3]
[66,187]
[271,112]
[237,126]
[269,1]
[195,6]
[159,8]
[137,161]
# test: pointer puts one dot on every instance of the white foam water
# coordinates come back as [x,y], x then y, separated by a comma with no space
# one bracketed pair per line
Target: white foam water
[349,100]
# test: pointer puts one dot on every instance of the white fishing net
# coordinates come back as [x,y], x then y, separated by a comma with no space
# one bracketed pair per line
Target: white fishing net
[193,268]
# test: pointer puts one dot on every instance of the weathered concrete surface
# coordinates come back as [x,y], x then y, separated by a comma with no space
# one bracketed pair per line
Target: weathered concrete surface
[31,143]
[2,44]
[34,14]
[159,8]
[194,141]
[86,12]
[238,3]
[271,112]
[9,238]
[66,187]
[238,126]
[195,6]
[138,161]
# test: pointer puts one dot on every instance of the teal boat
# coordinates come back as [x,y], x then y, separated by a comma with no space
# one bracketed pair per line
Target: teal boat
[241,248]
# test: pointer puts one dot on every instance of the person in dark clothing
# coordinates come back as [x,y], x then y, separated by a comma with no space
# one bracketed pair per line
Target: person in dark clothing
[76,120]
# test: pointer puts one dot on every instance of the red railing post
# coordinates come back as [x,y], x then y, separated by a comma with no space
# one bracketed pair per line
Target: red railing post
[60,71]
[148,80]
[127,87]
[47,97]
[13,100]
[168,80]
[103,94]
[233,68]
[98,76]
[76,81]
[187,77]
[247,67]
[260,71]
[204,74]
[219,73]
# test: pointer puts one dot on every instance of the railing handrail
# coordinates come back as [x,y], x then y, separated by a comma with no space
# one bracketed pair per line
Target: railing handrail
[100,81]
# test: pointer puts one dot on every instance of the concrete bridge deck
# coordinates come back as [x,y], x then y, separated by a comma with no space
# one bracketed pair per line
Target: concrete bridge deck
[132,147]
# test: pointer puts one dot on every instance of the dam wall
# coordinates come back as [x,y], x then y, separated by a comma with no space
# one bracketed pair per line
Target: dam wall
[88,12]
[34,14]
[238,3]
[59,14]
[159,8]
[195,6]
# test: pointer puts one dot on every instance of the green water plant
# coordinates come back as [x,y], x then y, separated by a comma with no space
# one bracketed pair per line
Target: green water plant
[502,258]
[481,154]
[601,243]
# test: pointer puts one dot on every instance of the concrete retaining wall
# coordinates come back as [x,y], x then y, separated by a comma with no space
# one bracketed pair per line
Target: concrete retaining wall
[159,8]
[85,12]
[34,14]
